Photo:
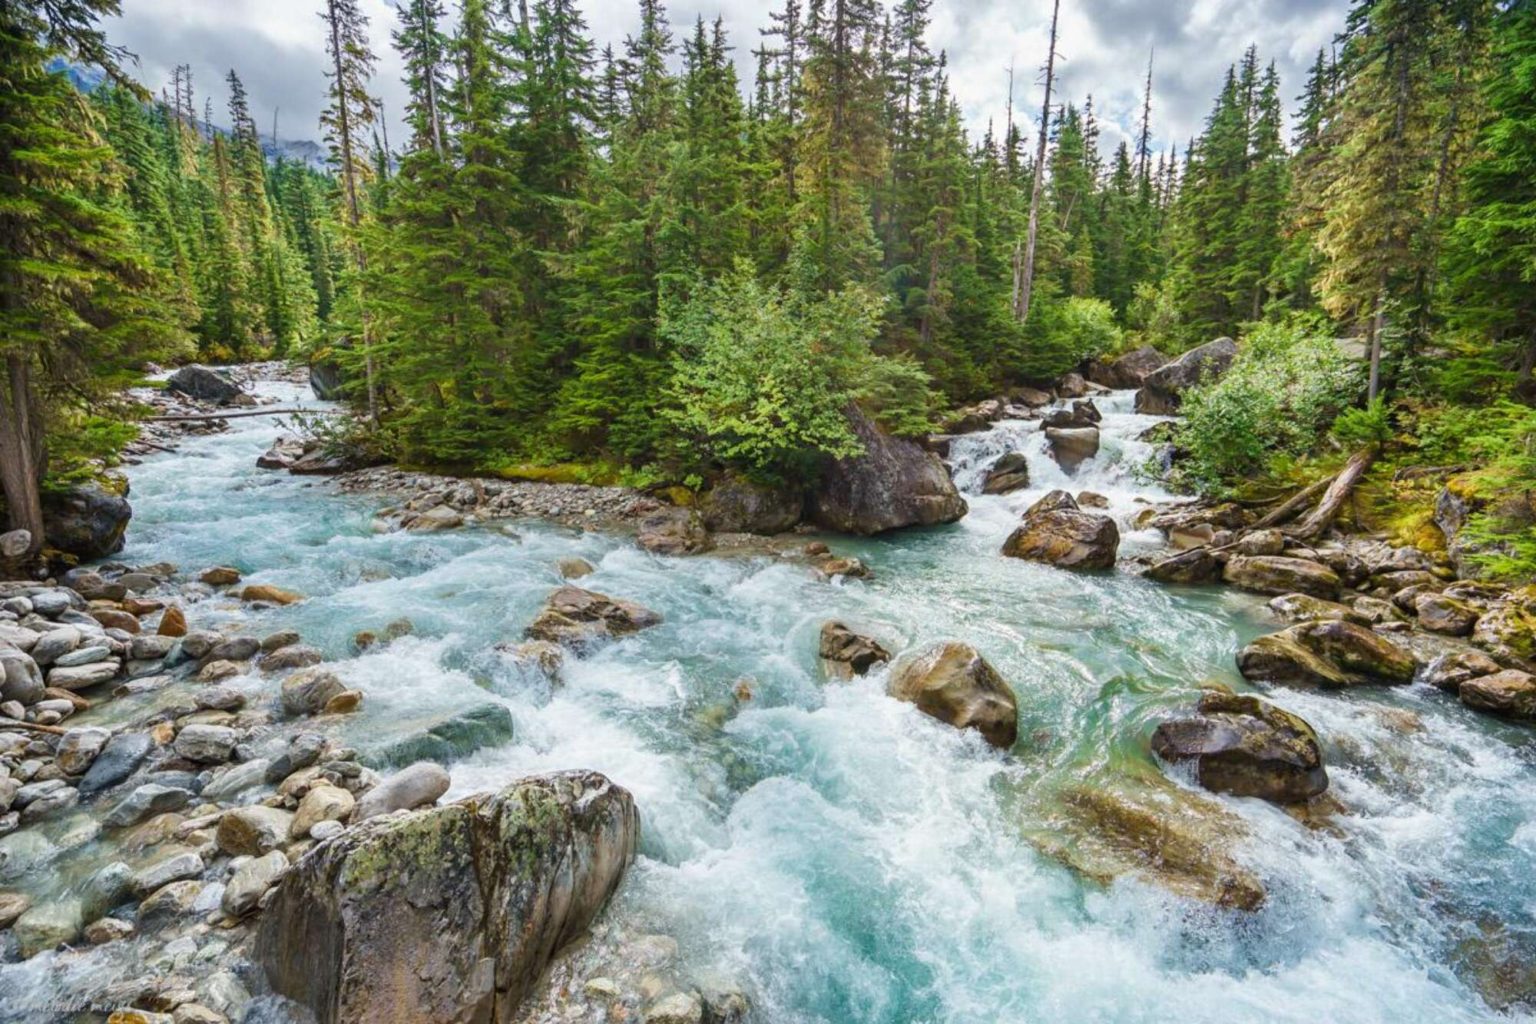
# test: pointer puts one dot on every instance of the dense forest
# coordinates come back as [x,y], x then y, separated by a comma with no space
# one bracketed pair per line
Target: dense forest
[629,264]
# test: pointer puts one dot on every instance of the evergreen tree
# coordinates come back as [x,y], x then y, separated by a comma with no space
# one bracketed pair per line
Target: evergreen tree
[79,295]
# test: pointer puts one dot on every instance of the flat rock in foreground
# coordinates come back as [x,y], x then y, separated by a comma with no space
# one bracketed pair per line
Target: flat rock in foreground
[449,914]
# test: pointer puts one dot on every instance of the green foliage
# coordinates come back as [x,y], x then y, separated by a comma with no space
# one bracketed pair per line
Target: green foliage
[1361,426]
[763,379]
[1286,387]
[1065,332]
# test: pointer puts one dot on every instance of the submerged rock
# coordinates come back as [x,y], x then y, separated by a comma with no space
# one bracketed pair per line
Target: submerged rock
[450,914]
[580,618]
[1057,532]
[1245,746]
[446,736]
[1151,830]
[955,684]
[894,484]
[845,654]
[1330,654]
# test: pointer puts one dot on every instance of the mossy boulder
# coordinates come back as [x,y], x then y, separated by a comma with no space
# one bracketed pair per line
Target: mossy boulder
[1196,565]
[1329,654]
[896,483]
[955,684]
[452,913]
[739,505]
[1305,608]
[1508,633]
[1279,574]
[1445,615]
[1245,746]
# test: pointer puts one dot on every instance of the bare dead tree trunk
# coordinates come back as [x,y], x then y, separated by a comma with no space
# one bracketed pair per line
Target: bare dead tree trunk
[1334,498]
[1027,272]
[1293,505]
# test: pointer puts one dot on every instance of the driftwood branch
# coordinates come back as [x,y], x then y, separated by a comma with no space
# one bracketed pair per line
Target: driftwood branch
[12,723]
[190,418]
[1293,505]
[1334,498]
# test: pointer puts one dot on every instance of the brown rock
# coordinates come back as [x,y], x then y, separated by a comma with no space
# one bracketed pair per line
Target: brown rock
[1510,693]
[270,594]
[173,622]
[955,684]
[1246,747]
[1276,574]
[1056,532]
[845,654]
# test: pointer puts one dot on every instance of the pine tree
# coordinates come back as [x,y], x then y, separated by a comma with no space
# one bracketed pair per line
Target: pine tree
[1491,261]
[79,296]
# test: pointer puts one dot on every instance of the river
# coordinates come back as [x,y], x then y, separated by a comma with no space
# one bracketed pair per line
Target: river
[848,859]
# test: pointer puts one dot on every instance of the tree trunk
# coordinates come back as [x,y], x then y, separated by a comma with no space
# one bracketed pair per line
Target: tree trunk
[1027,276]
[1292,505]
[19,464]
[1374,335]
[1338,492]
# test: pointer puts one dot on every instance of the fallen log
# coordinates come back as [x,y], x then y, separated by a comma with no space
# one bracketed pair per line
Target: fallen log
[1293,505]
[191,418]
[13,723]
[1337,494]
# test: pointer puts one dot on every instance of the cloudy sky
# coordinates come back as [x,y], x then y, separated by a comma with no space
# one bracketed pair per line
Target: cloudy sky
[277,48]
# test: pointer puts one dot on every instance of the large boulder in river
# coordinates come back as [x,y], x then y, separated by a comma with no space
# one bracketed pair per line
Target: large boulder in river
[1326,653]
[1008,474]
[1057,532]
[895,483]
[1246,747]
[739,505]
[449,914]
[1279,575]
[955,684]
[87,521]
[1510,693]
[203,384]
[1072,446]
[580,618]
[1163,388]
[1129,371]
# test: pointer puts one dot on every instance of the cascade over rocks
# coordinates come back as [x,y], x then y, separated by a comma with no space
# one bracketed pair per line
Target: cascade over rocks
[1079,414]
[1326,653]
[955,684]
[896,483]
[1163,388]
[87,521]
[203,384]
[1008,474]
[1057,532]
[1245,746]
[450,914]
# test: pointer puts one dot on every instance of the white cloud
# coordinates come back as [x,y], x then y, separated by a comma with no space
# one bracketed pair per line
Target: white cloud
[277,47]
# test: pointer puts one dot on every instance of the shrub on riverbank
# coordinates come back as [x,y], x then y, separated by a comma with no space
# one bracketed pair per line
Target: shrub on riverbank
[1285,389]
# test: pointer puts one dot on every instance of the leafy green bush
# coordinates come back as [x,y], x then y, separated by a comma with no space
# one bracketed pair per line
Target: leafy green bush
[1286,387]
[1362,426]
[761,377]
[1064,332]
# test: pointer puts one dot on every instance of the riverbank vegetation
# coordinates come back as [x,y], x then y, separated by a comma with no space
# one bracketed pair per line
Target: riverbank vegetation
[597,258]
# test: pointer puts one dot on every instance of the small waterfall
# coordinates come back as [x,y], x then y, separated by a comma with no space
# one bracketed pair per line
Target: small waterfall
[1118,471]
